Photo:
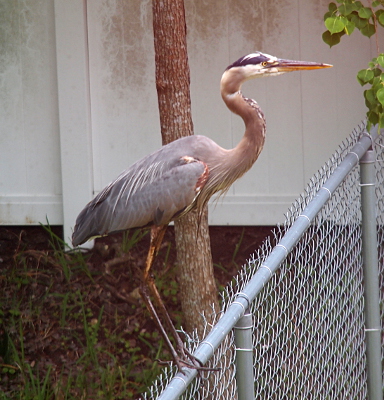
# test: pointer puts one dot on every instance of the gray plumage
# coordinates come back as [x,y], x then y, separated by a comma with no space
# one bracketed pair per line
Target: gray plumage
[153,191]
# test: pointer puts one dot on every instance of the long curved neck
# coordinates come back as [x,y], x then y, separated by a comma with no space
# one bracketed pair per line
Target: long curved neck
[226,166]
[248,149]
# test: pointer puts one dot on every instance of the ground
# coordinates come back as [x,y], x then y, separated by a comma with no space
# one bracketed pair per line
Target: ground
[72,325]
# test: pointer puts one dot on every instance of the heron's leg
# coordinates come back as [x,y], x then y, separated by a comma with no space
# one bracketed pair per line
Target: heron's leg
[157,234]
[182,357]
[179,361]
[182,350]
[152,311]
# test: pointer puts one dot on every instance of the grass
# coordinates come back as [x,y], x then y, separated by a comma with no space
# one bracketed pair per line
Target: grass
[224,268]
[63,336]
[72,325]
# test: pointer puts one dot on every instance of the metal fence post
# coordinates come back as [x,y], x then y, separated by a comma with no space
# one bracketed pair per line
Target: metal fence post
[371,276]
[244,357]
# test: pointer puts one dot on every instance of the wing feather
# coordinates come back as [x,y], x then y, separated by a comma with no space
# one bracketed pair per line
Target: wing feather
[152,191]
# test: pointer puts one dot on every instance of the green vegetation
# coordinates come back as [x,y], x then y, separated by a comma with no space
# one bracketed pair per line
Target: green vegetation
[342,19]
[64,332]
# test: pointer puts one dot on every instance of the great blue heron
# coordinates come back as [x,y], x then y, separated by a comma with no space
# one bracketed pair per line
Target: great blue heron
[182,176]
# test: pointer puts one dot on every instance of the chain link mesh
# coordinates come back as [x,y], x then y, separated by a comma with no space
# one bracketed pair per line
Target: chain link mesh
[308,334]
[380,232]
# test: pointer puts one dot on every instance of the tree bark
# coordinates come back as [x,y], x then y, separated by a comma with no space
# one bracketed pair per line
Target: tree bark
[196,280]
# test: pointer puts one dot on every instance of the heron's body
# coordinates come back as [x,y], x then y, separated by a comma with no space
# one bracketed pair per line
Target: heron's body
[183,176]
[173,180]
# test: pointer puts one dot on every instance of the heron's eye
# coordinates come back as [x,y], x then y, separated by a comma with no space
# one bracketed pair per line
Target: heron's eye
[264,63]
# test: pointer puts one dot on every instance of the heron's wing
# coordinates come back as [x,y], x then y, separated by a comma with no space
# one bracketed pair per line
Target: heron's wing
[132,180]
[142,196]
[158,201]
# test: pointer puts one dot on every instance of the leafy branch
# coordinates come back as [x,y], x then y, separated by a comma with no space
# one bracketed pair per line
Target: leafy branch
[342,19]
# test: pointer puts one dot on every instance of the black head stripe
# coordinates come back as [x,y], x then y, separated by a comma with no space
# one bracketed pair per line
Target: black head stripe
[253,59]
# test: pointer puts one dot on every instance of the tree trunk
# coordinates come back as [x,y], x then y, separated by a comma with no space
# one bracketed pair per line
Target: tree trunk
[196,279]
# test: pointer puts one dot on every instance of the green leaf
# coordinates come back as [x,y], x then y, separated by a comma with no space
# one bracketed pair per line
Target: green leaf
[380,60]
[335,24]
[330,39]
[381,120]
[376,83]
[373,118]
[372,64]
[347,8]
[368,30]
[380,17]
[370,97]
[349,27]
[365,13]
[376,72]
[364,76]
[332,7]
[327,15]
[380,96]
[359,22]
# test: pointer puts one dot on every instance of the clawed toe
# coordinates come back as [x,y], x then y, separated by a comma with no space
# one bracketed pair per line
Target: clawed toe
[186,359]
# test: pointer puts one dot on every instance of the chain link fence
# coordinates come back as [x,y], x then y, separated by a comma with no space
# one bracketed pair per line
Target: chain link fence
[380,234]
[308,331]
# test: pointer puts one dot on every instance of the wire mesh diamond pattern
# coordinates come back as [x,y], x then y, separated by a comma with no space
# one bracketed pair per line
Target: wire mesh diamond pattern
[379,148]
[308,334]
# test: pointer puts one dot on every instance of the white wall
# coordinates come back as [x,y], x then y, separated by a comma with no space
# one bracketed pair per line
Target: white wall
[104,101]
[30,173]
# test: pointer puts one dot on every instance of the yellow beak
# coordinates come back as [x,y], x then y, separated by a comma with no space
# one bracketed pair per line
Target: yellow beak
[291,65]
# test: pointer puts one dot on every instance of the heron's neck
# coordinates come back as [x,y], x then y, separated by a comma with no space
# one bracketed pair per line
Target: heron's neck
[251,144]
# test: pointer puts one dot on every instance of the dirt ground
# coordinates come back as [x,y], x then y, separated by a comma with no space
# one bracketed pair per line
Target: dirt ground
[36,280]
[224,240]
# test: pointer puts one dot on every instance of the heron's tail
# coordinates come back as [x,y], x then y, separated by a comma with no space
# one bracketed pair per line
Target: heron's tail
[87,227]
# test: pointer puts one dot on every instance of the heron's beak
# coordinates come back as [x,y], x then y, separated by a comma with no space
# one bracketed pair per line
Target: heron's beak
[291,65]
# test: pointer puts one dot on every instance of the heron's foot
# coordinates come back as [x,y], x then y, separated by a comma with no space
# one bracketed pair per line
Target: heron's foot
[192,363]
[186,359]
[189,359]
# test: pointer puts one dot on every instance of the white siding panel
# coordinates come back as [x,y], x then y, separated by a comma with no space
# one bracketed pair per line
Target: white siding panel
[125,119]
[29,137]
[74,105]
[31,210]
[249,208]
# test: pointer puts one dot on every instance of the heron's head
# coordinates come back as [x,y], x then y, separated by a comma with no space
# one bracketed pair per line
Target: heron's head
[260,64]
